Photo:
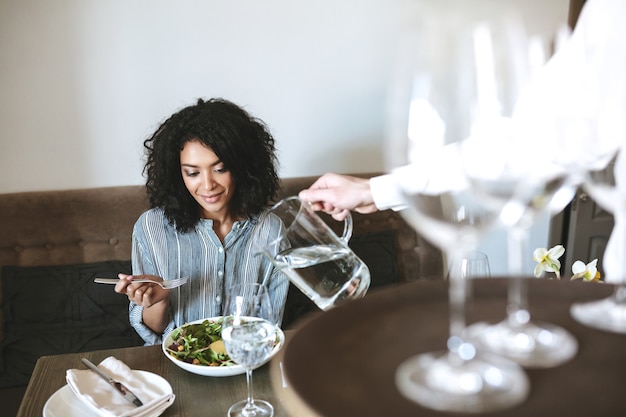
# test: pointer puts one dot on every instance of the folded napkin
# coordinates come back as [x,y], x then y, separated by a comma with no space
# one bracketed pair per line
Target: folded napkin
[99,396]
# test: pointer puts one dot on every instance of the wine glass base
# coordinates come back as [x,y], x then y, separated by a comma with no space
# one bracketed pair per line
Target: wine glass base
[444,382]
[260,408]
[606,314]
[532,345]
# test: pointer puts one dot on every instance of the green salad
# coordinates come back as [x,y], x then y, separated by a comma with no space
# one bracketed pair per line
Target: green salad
[200,344]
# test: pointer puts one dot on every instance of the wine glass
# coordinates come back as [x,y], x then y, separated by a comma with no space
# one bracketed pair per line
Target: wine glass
[600,139]
[458,77]
[606,186]
[539,164]
[249,334]
[584,129]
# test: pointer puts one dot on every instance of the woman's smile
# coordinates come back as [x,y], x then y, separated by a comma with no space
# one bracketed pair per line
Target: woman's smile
[211,199]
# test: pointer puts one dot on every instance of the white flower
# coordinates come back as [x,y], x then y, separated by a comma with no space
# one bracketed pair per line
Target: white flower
[587,272]
[548,260]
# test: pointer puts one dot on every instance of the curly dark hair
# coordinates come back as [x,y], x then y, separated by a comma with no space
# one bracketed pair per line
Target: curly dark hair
[243,143]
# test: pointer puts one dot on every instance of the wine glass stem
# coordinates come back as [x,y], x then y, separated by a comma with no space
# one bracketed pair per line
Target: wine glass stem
[458,297]
[517,309]
[249,409]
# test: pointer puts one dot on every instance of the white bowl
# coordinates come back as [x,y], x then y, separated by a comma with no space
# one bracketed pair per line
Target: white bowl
[215,370]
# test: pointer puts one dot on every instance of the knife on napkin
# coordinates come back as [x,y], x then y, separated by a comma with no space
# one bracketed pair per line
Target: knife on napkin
[118,386]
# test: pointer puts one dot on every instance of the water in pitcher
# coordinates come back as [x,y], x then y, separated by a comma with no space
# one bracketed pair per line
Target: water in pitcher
[328,275]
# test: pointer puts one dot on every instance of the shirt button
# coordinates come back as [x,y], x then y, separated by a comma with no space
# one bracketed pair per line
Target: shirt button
[220,273]
[220,250]
[218,299]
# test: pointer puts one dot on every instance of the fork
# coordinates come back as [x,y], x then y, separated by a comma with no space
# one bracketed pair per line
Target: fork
[167,284]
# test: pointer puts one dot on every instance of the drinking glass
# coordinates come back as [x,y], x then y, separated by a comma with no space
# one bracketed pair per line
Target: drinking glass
[459,74]
[249,334]
[474,264]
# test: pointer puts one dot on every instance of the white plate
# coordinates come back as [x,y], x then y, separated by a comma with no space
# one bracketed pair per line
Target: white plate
[215,370]
[64,403]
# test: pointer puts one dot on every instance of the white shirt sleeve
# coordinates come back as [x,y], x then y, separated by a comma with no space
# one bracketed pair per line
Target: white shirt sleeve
[386,194]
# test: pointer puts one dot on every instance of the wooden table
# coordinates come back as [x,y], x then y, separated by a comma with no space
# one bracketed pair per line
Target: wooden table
[195,395]
[343,362]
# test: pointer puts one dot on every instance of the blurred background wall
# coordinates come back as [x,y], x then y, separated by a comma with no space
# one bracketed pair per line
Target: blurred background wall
[84,82]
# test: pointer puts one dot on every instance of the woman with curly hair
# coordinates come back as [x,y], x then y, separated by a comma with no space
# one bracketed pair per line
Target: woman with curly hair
[211,172]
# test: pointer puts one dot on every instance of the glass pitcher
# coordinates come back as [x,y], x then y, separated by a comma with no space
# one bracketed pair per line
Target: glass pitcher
[314,258]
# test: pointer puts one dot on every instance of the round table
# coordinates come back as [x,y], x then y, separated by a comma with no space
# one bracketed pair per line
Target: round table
[342,362]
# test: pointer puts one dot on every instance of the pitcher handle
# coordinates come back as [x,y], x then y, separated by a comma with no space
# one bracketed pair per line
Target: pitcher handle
[347,229]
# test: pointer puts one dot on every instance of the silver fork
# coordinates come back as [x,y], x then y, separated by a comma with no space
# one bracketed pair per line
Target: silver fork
[167,284]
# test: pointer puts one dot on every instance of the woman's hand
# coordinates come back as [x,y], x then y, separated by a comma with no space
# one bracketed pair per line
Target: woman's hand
[152,297]
[144,294]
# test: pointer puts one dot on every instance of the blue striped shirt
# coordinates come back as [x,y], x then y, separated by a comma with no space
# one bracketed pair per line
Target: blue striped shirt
[159,249]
